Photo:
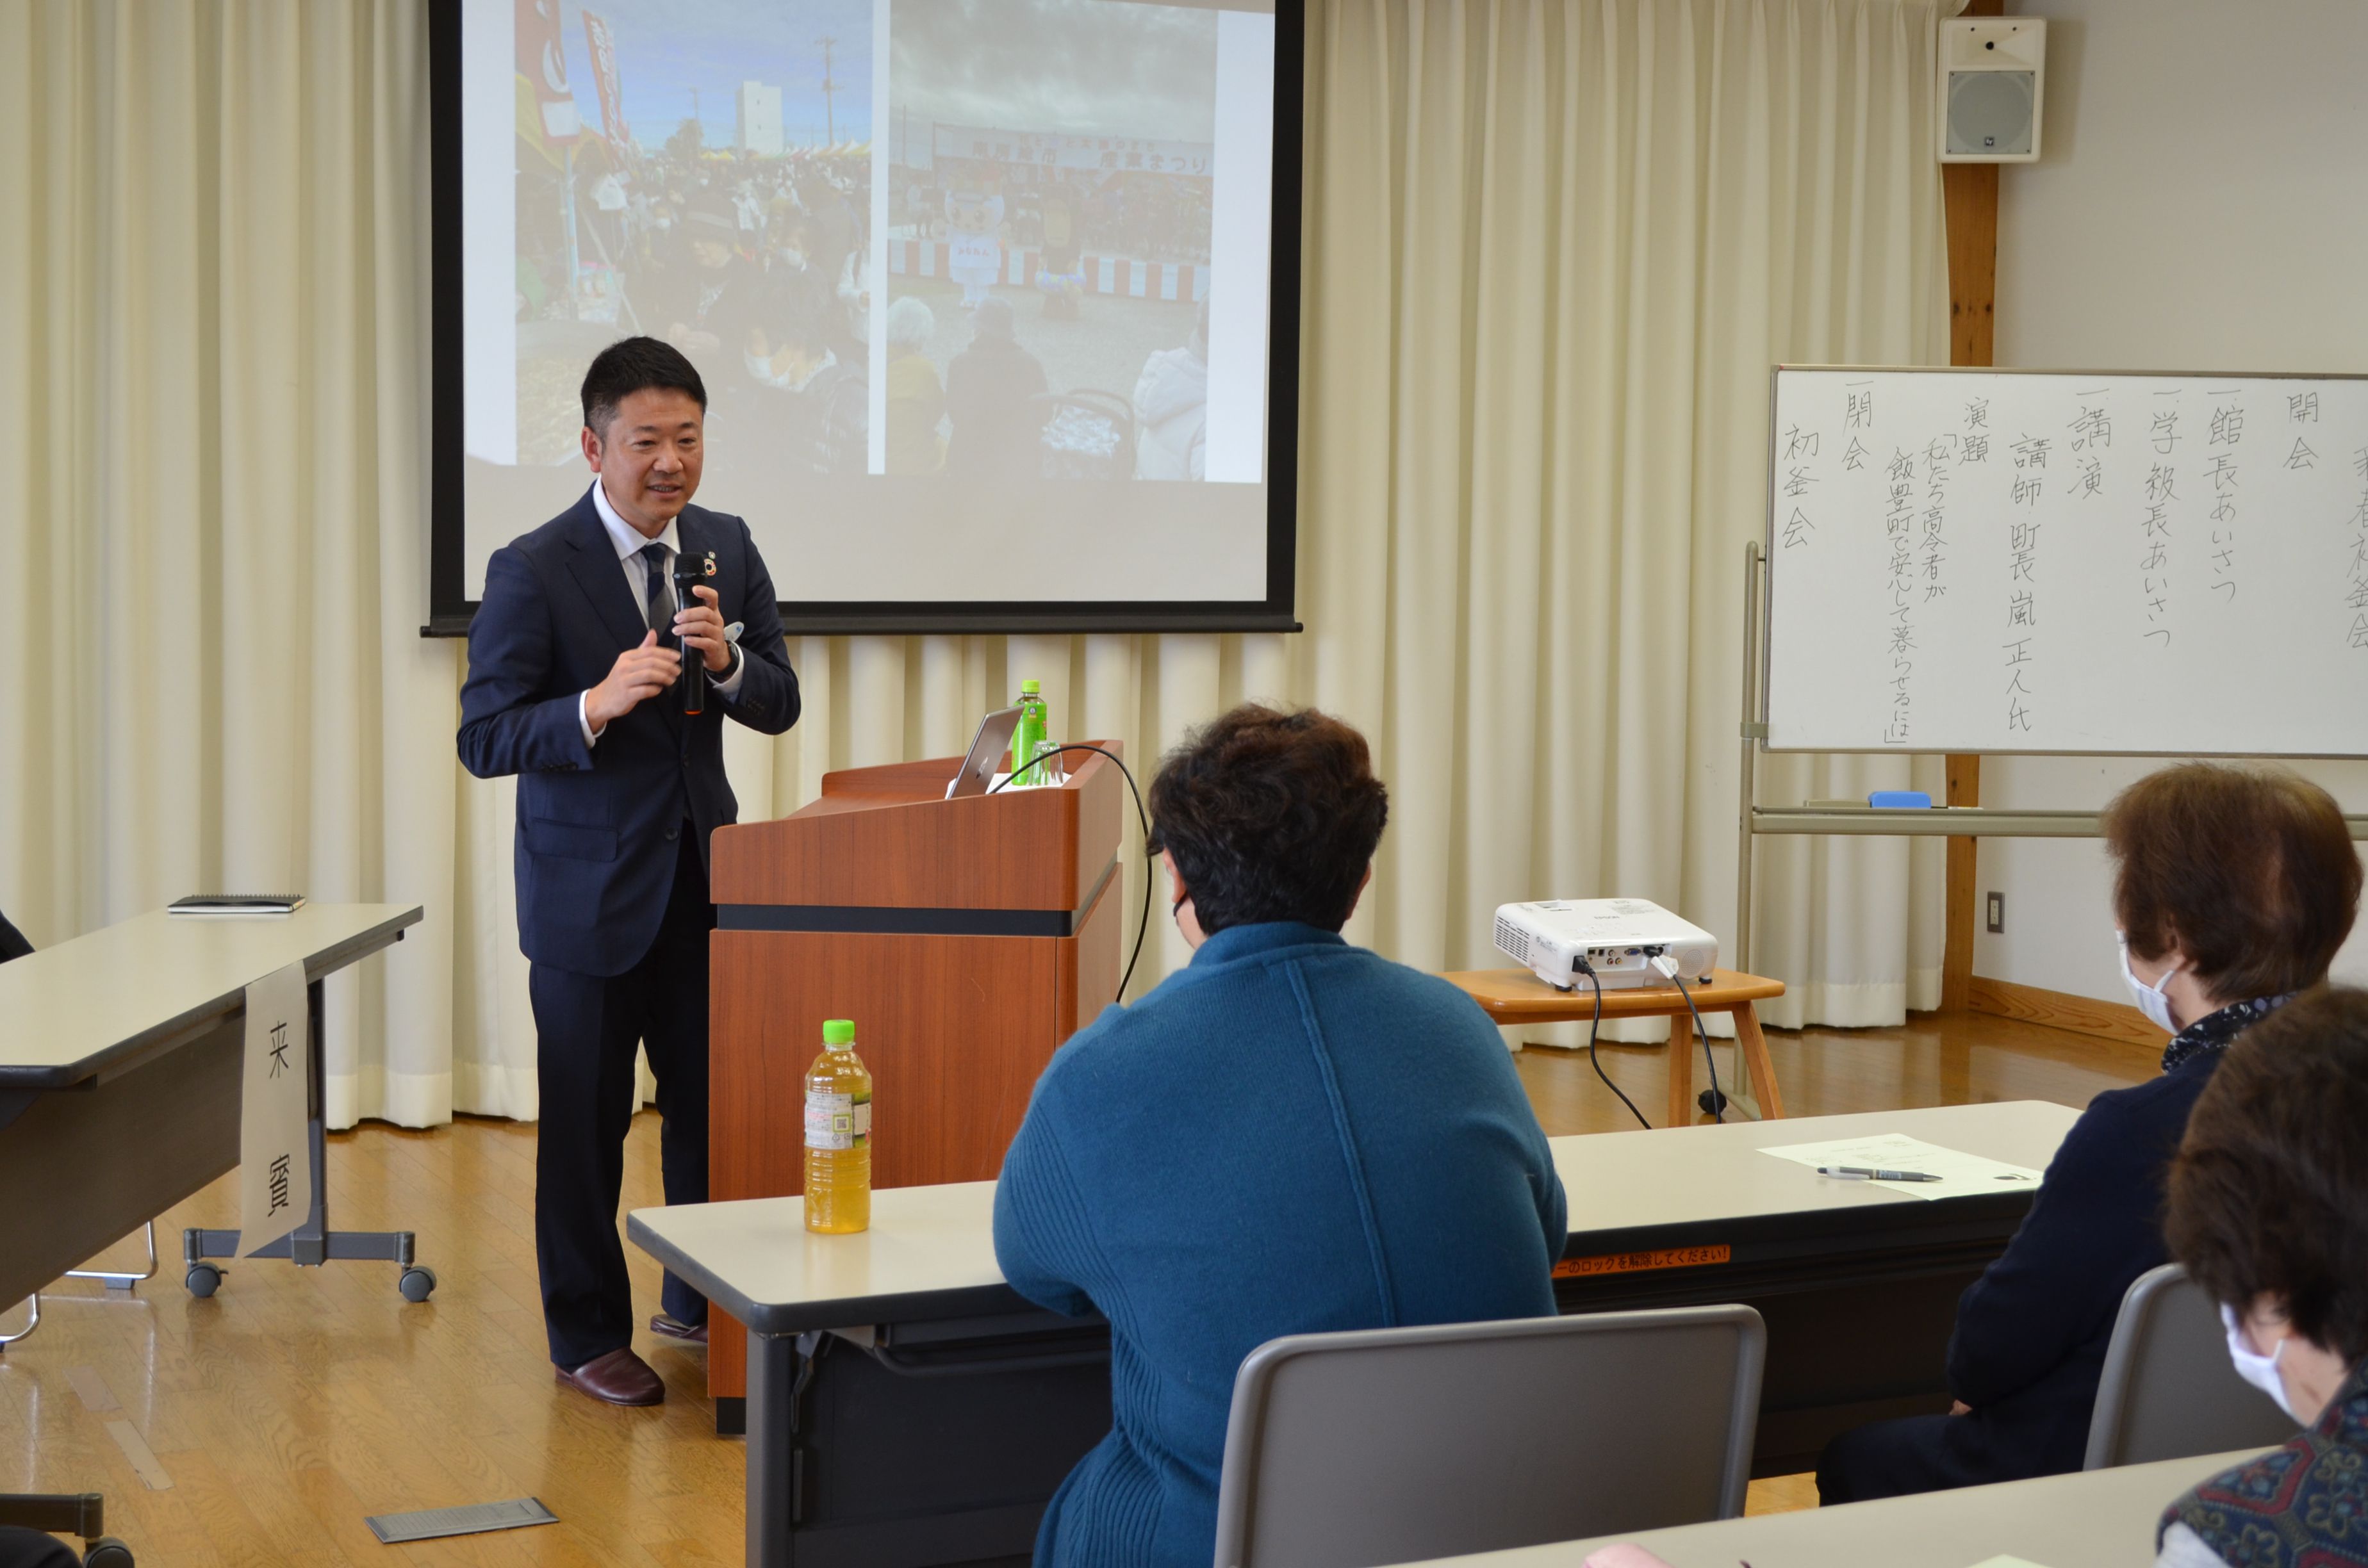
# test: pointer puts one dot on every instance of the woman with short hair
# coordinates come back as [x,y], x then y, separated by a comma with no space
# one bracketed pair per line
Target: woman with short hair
[1289,1135]
[2233,888]
[2269,1212]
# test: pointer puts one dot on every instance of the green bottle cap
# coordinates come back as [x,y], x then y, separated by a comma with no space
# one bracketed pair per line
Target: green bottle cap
[838,1031]
[1031,687]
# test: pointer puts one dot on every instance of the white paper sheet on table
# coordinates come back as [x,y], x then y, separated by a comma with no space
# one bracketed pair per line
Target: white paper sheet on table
[2005,1562]
[1960,1173]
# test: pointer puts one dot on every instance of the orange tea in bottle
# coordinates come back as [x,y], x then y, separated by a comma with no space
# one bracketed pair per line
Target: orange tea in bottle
[838,1135]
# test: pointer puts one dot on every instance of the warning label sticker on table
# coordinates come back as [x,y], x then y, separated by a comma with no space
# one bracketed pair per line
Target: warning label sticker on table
[1639,1262]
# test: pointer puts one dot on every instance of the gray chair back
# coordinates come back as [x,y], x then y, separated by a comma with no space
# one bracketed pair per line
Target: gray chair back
[2167,1390]
[1345,1450]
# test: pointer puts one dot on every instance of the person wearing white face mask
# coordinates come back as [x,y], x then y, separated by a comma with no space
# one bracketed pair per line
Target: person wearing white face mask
[2269,1212]
[2233,888]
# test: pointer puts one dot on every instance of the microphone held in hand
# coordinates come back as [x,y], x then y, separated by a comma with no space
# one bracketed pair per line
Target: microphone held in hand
[692,683]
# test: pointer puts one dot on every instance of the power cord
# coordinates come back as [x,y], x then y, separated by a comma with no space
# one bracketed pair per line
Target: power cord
[1669,968]
[1587,969]
[1142,818]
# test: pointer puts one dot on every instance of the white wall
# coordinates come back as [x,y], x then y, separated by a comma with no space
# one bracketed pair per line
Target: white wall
[2201,205]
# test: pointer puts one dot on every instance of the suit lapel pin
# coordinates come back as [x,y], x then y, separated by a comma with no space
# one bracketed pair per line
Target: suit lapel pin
[710,564]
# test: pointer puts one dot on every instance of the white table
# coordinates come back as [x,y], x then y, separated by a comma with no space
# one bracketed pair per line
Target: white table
[930,1250]
[2103,1518]
[120,1083]
[1666,1178]
[1856,1282]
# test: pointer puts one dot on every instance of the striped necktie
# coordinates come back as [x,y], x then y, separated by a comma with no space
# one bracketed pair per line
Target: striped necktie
[661,594]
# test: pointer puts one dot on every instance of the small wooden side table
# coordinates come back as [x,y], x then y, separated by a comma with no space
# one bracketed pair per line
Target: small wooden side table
[1517,996]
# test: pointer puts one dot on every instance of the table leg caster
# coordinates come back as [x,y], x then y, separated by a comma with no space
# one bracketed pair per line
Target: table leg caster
[418,1282]
[106,1552]
[203,1279]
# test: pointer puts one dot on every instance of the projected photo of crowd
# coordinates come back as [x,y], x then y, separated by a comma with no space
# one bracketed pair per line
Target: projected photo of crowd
[701,173]
[1051,186]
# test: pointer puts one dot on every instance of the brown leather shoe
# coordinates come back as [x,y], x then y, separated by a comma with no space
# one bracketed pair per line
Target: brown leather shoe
[675,1328]
[619,1377]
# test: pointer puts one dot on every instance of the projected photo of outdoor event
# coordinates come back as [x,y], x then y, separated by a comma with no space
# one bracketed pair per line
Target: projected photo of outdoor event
[701,173]
[1051,187]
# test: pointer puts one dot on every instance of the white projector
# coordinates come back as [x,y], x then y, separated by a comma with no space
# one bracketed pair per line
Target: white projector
[1619,938]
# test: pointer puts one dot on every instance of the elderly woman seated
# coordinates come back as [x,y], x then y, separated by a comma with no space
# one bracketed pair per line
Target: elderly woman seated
[2269,1212]
[916,399]
[2234,889]
[1289,1135]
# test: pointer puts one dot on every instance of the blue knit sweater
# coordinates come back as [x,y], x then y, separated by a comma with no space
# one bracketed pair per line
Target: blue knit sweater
[1289,1136]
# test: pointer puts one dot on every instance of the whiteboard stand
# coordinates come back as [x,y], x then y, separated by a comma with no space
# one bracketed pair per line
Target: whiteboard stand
[1754,731]
[2081,563]
[1969,561]
[1939,822]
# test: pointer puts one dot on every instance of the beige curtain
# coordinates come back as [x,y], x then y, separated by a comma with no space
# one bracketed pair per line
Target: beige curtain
[212,301]
[1553,247]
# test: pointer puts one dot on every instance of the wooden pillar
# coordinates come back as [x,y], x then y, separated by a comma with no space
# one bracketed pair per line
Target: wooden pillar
[1957,948]
[1969,193]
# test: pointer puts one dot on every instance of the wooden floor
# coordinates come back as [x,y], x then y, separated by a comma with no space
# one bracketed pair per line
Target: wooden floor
[262,1426]
[1960,1059]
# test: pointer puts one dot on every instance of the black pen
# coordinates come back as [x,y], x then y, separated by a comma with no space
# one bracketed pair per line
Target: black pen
[1860,1173]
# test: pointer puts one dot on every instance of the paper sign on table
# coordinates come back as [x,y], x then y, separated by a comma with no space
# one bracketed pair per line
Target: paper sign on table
[275,1159]
[1960,1173]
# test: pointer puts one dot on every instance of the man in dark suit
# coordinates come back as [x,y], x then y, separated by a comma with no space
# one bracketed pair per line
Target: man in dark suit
[573,665]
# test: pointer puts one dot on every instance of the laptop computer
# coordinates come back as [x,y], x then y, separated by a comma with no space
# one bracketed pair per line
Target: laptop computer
[987,750]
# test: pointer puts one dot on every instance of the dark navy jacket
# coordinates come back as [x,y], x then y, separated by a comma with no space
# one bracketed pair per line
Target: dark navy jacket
[598,826]
[1289,1136]
[2031,1331]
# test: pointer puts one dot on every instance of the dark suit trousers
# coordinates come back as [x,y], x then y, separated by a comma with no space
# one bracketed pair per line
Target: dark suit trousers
[1927,1453]
[586,1026]
[29,1548]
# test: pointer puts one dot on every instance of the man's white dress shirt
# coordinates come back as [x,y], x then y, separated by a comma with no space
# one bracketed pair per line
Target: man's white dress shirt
[629,544]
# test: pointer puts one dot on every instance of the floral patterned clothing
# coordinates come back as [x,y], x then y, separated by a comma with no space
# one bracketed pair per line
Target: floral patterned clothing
[2302,1506]
[2217,1031]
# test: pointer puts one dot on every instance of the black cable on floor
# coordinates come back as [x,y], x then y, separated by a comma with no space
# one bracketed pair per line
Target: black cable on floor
[1717,1100]
[1589,970]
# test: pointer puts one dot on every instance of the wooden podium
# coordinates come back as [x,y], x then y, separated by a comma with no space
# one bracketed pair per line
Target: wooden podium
[967,939]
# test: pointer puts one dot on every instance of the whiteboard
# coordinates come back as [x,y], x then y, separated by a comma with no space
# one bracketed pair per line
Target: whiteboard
[2004,560]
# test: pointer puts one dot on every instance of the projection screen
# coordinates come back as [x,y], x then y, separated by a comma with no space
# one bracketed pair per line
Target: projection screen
[994,301]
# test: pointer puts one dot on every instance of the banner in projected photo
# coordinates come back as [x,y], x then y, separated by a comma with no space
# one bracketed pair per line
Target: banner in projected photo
[603,45]
[1052,149]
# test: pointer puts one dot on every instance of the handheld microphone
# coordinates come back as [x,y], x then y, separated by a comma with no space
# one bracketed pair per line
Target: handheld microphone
[692,683]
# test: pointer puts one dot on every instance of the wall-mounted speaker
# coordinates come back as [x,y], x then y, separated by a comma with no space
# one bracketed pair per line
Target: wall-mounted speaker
[1992,73]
